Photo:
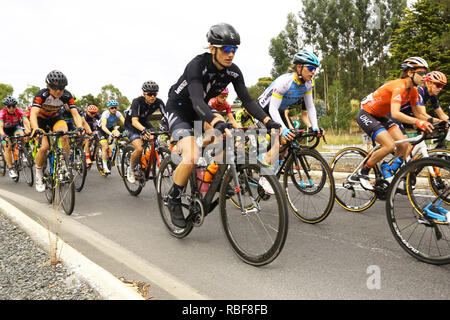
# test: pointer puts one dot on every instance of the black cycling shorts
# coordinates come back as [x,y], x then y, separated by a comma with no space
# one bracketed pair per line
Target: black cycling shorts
[373,125]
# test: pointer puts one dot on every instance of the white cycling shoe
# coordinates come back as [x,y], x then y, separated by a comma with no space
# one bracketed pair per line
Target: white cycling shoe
[130,175]
[266,185]
[40,186]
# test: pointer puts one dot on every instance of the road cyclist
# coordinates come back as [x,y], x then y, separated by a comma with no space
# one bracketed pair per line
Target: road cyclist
[11,118]
[106,131]
[46,115]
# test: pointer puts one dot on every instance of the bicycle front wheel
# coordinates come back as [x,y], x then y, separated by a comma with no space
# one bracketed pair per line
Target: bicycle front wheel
[133,188]
[350,195]
[419,219]
[309,186]
[164,182]
[79,167]
[64,183]
[258,231]
[26,164]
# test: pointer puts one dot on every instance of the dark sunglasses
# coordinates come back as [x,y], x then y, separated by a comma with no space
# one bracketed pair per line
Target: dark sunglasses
[10,106]
[438,85]
[57,86]
[110,108]
[223,95]
[151,94]
[310,68]
[421,73]
[228,49]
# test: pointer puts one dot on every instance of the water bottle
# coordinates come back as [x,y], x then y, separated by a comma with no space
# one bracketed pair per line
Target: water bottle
[396,164]
[210,172]
[386,170]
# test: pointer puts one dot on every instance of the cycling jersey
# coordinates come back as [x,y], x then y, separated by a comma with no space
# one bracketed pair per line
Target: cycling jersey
[200,82]
[11,120]
[51,107]
[424,97]
[110,119]
[245,120]
[139,108]
[286,91]
[379,102]
[93,122]
[225,106]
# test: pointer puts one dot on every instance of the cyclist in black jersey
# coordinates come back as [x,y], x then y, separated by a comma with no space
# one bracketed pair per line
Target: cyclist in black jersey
[204,77]
[137,125]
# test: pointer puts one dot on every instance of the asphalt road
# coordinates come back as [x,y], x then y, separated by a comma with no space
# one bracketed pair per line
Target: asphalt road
[347,256]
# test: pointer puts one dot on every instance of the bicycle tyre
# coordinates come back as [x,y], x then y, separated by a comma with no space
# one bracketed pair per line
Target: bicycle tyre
[133,188]
[64,184]
[164,182]
[48,181]
[441,154]
[79,167]
[2,162]
[162,153]
[26,163]
[119,156]
[350,195]
[240,228]
[307,163]
[416,233]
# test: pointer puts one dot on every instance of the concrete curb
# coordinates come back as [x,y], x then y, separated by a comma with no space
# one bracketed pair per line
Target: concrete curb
[109,287]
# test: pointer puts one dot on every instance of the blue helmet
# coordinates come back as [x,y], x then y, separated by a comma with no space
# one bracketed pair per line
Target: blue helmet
[112,103]
[9,101]
[306,57]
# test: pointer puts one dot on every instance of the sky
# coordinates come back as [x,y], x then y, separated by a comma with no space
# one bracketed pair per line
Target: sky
[125,43]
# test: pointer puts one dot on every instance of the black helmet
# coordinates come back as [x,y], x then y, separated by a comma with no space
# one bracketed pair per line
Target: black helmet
[150,86]
[9,101]
[56,77]
[223,34]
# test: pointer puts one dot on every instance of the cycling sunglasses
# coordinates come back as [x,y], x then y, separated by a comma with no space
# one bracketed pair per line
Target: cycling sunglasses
[10,106]
[310,67]
[56,86]
[421,73]
[151,94]
[438,85]
[227,49]
[110,108]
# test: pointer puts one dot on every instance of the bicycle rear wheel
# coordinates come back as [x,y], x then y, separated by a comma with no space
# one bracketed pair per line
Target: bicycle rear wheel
[164,182]
[418,220]
[309,186]
[119,156]
[258,232]
[350,195]
[64,184]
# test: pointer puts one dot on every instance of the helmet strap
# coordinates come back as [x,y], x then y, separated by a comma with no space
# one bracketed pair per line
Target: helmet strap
[215,58]
[299,74]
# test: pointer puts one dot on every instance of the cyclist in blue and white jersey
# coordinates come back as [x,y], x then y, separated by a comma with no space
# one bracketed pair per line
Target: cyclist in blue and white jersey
[287,90]
[107,121]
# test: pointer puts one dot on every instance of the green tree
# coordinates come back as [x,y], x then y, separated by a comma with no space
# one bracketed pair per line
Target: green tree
[425,32]
[26,98]
[284,46]
[262,84]
[109,92]
[88,100]
[5,90]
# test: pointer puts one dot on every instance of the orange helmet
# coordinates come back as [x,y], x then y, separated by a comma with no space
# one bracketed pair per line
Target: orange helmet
[436,77]
[92,108]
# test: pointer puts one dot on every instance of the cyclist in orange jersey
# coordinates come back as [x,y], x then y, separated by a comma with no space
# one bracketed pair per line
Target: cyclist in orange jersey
[373,119]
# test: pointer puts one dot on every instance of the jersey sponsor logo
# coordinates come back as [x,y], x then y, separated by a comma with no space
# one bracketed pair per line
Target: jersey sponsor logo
[181,87]
[365,120]
[232,74]
[398,97]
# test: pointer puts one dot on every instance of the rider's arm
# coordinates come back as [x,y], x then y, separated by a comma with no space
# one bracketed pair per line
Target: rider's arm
[232,120]
[103,126]
[76,117]
[288,120]
[135,122]
[312,114]
[33,117]
[26,124]
[396,104]
[250,105]
[441,114]
[2,125]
